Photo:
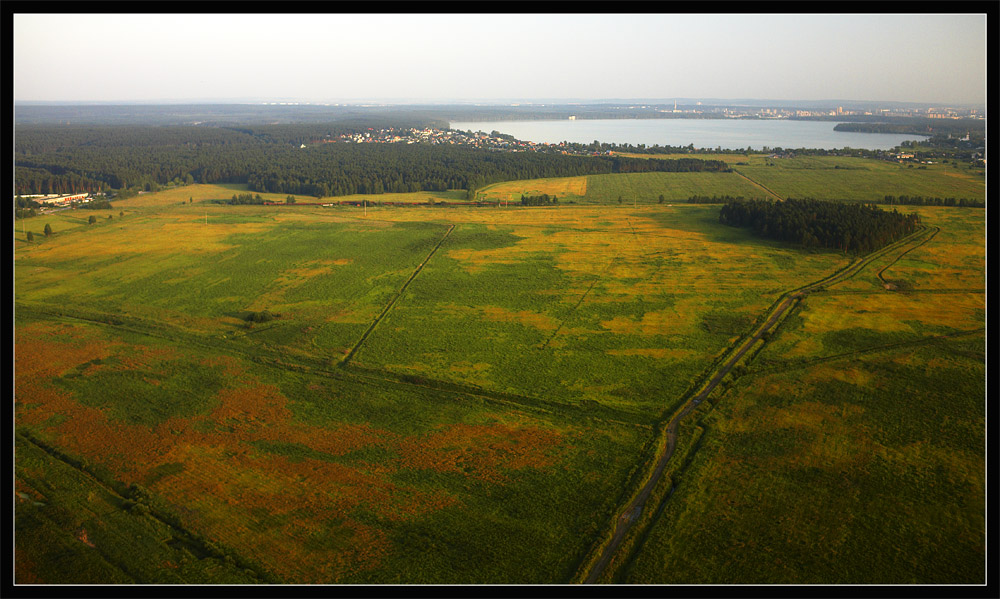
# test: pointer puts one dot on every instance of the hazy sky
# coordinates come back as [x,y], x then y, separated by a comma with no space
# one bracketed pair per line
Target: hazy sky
[917,58]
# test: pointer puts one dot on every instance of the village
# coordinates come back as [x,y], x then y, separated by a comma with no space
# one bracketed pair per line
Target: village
[57,200]
[489,141]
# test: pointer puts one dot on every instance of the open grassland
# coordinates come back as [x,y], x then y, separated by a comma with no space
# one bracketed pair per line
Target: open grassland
[847,178]
[617,309]
[294,477]
[632,188]
[327,278]
[463,394]
[853,448]
[860,179]
[863,471]
[646,188]
[567,189]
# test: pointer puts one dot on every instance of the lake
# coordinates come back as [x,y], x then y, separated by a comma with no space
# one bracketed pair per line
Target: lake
[730,134]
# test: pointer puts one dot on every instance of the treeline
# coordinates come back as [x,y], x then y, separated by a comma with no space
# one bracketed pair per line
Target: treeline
[244,199]
[855,228]
[539,200]
[68,159]
[922,201]
[696,199]
[97,205]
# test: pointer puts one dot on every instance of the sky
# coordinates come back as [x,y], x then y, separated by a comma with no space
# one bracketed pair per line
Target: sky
[478,57]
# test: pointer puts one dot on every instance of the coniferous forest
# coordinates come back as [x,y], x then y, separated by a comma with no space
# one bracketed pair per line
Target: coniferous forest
[855,228]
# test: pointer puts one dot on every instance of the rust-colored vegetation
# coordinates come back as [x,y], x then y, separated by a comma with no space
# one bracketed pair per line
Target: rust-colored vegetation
[232,475]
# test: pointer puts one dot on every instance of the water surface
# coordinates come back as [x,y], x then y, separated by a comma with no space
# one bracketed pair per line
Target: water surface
[728,134]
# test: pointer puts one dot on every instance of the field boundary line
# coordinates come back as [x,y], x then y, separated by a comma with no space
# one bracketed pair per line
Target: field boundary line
[395,298]
[793,365]
[760,185]
[891,264]
[193,538]
[356,370]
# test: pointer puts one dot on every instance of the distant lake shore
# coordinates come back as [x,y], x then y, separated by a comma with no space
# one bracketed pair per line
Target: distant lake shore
[726,134]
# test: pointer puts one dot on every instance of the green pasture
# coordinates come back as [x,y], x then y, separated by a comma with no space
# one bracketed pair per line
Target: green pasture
[878,480]
[861,179]
[326,280]
[627,325]
[646,188]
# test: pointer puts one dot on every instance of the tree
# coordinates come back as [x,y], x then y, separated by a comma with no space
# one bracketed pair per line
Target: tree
[290,200]
[31,236]
[48,230]
[91,220]
[661,198]
[121,214]
[190,200]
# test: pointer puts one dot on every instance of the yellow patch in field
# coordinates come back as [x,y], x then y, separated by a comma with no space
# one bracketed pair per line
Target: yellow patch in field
[538,320]
[950,466]
[512,191]
[888,312]
[849,374]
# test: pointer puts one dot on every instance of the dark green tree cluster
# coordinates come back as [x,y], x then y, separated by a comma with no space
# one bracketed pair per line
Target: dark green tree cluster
[696,199]
[855,228]
[922,201]
[25,207]
[245,198]
[678,165]
[539,200]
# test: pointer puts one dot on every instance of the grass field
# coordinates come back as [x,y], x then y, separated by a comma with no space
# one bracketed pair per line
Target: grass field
[454,394]
[820,177]
[306,477]
[618,308]
[854,447]
[869,471]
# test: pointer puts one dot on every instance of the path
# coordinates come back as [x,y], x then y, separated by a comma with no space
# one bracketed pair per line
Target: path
[758,185]
[396,297]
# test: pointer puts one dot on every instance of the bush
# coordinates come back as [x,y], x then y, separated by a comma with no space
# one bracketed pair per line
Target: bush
[262,316]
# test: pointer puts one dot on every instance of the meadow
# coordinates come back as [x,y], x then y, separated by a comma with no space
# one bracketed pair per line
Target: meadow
[291,476]
[445,394]
[819,177]
[852,447]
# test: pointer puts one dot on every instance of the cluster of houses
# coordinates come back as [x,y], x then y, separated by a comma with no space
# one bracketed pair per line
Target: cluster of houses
[56,199]
[452,137]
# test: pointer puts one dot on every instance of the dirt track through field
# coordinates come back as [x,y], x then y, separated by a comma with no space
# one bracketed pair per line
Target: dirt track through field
[623,523]
[395,298]
[751,181]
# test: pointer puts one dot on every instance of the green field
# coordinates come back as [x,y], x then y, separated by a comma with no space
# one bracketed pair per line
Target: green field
[853,448]
[469,395]
[819,177]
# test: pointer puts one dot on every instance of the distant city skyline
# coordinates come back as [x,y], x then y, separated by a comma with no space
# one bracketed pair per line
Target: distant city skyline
[150,58]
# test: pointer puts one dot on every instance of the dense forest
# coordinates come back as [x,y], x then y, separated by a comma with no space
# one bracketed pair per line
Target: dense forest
[269,158]
[855,228]
[922,201]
